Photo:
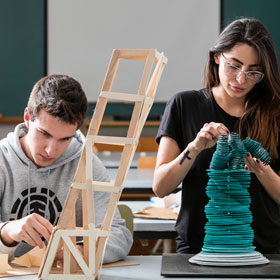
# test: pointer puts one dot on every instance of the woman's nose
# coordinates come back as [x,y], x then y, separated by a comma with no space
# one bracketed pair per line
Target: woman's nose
[241,77]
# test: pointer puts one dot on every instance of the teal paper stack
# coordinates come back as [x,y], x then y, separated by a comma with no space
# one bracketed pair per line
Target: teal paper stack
[228,233]
[229,217]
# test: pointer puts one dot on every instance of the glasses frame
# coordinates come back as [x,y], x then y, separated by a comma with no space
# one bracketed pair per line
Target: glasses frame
[241,71]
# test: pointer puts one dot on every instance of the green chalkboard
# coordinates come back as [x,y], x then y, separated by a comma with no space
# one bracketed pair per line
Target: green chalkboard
[22,52]
[266,11]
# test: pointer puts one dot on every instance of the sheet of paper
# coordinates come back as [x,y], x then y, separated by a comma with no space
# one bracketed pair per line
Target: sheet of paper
[4,266]
[118,264]
[32,258]
[157,213]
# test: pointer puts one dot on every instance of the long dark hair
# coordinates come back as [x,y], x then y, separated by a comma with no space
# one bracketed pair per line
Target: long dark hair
[260,120]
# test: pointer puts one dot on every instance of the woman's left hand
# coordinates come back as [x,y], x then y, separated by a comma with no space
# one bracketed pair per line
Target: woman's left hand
[255,165]
[266,175]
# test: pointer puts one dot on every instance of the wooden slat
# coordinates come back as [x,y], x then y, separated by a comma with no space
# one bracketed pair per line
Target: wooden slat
[74,251]
[95,121]
[50,254]
[122,96]
[111,72]
[140,55]
[98,186]
[113,140]
[158,56]
[146,144]
[71,199]
[146,73]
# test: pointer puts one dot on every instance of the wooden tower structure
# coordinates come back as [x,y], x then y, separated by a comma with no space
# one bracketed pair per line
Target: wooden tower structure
[87,265]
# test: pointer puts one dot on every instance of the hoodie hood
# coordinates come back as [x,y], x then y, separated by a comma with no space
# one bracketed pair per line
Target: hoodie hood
[73,151]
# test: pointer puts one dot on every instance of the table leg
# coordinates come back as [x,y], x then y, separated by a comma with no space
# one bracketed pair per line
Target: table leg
[167,245]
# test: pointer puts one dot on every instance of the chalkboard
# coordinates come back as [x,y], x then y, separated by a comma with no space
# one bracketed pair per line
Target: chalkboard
[266,11]
[22,52]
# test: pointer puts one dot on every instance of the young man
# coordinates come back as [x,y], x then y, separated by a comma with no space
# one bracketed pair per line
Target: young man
[37,165]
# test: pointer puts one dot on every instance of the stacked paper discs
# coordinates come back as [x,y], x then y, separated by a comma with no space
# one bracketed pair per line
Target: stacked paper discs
[257,150]
[228,234]
[237,154]
[221,155]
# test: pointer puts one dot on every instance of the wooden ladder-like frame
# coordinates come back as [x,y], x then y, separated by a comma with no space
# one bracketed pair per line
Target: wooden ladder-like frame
[94,239]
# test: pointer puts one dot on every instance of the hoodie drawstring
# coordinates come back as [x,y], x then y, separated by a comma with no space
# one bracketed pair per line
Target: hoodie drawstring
[48,197]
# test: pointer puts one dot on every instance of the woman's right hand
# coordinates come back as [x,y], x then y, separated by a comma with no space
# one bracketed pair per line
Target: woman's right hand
[169,173]
[208,136]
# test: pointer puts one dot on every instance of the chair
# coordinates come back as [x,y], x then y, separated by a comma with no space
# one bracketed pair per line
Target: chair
[127,215]
[146,162]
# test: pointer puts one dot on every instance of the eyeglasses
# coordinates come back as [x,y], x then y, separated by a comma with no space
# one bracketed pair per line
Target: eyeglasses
[232,71]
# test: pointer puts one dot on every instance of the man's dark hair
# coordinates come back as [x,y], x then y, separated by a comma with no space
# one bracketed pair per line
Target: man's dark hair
[61,96]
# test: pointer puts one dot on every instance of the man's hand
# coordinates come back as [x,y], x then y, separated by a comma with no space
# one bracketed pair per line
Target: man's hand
[29,229]
[59,255]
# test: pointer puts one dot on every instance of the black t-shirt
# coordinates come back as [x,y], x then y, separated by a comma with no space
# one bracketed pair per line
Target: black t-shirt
[184,116]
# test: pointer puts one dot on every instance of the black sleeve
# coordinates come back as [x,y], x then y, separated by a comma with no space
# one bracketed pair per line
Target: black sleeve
[275,164]
[171,122]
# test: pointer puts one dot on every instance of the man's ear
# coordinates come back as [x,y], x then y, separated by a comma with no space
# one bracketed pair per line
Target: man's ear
[26,117]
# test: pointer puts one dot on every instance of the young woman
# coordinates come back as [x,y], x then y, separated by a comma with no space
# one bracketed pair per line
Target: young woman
[241,94]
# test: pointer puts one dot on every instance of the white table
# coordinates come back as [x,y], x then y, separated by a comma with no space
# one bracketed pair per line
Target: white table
[149,268]
[138,181]
[148,225]
[152,228]
[112,159]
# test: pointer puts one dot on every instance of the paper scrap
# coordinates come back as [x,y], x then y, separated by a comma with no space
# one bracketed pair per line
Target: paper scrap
[32,258]
[4,266]
[118,264]
[157,213]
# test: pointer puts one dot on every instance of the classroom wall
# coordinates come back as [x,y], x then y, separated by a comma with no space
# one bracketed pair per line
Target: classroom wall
[23,51]
[82,34]
[183,29]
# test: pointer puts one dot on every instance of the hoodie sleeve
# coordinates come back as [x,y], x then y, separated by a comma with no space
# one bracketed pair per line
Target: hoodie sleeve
[120,240]
[3,248]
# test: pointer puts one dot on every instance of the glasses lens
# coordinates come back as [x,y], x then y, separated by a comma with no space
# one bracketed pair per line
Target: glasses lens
[254,76]
[233,71]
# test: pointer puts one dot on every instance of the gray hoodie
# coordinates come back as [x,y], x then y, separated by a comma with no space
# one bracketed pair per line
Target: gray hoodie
[26,189]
